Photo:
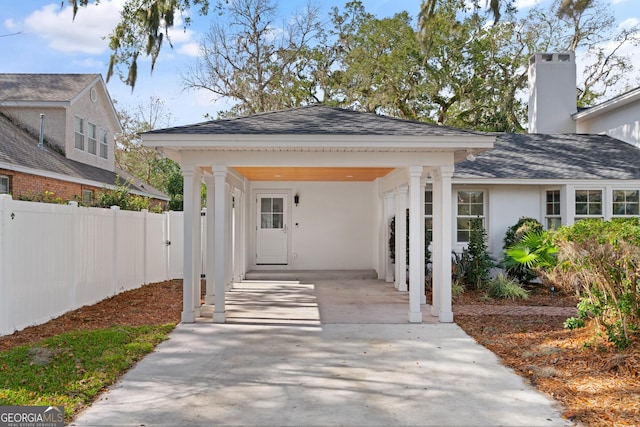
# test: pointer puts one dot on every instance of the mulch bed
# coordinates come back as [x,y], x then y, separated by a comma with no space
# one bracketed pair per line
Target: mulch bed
[595,384]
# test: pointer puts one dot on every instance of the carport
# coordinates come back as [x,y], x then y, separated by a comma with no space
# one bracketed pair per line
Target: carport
[253,166]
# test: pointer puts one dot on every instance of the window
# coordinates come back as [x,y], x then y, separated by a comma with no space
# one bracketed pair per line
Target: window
[272,212]
[626,202]
[470,206]
[79,132]
[92,138]
[87,196]
[553,217]
[428,213]
[4,184]
[103,143]
[588,204]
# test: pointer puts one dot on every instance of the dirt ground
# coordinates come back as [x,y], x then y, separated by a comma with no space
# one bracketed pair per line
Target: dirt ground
[597,385]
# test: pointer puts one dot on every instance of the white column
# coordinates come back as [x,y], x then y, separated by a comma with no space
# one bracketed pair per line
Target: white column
[401,239]
[436,247]
[388,214]
[423,242]
[188,312]
[210,239]
[415,263]
[243,234]
[197,240]
[220,223]
[445,314]
[229,242]
[237,210]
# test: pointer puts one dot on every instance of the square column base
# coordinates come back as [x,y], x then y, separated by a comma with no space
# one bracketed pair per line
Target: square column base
[188,317]
[446,317]
[210,299]
[219,318]
[415,317]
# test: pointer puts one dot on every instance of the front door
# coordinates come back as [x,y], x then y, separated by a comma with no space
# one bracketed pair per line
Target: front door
[271,228]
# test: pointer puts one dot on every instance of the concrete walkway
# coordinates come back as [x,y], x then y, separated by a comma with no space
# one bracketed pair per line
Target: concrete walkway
[320,355]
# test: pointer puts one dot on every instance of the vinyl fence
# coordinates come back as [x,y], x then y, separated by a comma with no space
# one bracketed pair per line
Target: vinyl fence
[56,258]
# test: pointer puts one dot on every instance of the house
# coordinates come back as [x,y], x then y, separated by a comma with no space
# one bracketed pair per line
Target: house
[316,187]
[57,135]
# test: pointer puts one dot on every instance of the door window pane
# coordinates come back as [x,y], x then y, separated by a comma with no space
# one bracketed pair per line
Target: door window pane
[272,212]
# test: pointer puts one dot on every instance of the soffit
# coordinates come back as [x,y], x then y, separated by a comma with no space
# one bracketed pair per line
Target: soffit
[312,173]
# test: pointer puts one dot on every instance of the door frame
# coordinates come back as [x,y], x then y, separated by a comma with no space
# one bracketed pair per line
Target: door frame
[253,212]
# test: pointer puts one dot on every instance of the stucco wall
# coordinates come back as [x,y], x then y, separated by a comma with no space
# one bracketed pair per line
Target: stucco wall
[622,123]
[331,228]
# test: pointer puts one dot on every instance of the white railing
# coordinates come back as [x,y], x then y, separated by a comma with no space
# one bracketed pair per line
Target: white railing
[56,258]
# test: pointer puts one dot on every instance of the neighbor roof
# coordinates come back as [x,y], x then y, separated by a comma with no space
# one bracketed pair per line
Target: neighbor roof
[20,148]
[562,156]
[315,120]
[43,87]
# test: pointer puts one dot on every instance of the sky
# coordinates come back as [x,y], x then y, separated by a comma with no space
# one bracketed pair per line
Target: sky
[39,36]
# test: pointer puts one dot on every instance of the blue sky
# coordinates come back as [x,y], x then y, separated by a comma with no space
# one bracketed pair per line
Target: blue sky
[49,42]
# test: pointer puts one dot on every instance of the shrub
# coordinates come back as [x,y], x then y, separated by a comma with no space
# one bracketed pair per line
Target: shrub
[535,250]
[479,262]
[604,259]
[503,287]
[514,237]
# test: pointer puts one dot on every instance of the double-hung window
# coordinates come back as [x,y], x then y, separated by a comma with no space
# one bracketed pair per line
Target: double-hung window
[79,133]
[92,138]
[103,143]
[626,203]
[4,184]
[470,206]
[588,204]
[553,217]
[428,213]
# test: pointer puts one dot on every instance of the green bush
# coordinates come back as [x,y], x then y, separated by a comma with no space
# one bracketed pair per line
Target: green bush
[503,287]
[535,250]
[480,263]
[514,237]
[603,257]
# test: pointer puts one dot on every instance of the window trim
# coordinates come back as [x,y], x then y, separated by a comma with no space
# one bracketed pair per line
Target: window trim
[8,180]
[547,217]
[458,216]
[78,133]
[603,204]
[103,149]
[92,137]
[613,202]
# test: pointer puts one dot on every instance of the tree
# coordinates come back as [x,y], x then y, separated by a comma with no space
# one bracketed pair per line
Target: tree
[252,61]
[142,30]
[144,162]
[378,62]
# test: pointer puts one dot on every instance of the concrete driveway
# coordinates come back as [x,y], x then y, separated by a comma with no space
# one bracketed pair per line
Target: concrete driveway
[332,353]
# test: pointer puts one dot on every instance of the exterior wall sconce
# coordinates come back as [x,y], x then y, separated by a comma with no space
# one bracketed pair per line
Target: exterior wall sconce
[470,156]
[296,199]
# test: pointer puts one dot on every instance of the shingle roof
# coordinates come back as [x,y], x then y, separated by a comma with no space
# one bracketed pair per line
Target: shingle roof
[565,156]
[315,120]
[19,147]
[43,87]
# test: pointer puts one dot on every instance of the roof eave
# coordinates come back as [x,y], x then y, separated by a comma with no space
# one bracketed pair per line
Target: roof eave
[612,104]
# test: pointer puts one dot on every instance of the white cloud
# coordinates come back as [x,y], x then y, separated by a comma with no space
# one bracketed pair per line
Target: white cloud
[86,34]
[618,1]
[190,49]
[10,24]
[525,4]
[629,23]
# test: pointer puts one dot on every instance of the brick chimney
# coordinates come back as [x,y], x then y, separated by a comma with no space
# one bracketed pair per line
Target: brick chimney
[552,93]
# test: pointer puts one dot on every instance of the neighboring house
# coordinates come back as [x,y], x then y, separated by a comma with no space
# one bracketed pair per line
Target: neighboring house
[316,187]
[57,135]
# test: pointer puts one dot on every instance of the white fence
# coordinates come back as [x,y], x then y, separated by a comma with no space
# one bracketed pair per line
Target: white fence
[56,258]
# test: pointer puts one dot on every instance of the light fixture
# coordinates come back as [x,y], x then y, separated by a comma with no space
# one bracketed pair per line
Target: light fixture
[296,199]
[470,156]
